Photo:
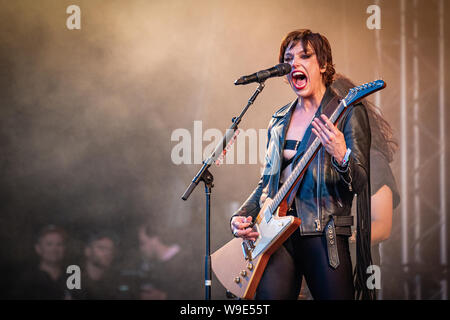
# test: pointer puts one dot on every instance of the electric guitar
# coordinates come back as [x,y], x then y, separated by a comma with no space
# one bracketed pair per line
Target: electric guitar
[239,264]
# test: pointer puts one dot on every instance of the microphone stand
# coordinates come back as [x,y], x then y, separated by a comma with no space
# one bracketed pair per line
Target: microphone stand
[206,176]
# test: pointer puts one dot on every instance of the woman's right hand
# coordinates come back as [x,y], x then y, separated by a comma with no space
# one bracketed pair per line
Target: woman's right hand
[241,228]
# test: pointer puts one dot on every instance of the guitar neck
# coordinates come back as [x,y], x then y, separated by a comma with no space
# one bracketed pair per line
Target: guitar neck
[301,166]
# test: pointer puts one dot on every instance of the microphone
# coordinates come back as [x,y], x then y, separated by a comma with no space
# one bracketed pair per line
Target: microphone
[261,76]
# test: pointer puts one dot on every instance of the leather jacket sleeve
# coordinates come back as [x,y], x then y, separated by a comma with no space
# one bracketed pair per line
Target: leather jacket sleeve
[356,130]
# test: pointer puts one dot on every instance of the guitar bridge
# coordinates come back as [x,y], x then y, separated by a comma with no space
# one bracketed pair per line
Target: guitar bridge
[247,249]
[317,222]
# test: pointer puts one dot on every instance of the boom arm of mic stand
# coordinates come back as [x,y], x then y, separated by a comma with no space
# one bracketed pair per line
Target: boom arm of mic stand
[202,173]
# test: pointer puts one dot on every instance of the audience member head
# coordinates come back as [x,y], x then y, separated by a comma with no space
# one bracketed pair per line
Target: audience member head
[50,244]
[100,249]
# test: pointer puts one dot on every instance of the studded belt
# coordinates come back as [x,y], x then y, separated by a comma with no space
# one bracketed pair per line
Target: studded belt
[340,225]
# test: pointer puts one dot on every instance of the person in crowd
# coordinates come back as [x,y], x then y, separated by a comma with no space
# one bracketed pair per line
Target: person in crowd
[161,269]
[99,280]
[47,279]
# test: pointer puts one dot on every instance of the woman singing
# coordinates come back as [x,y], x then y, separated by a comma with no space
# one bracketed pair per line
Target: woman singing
[319,249]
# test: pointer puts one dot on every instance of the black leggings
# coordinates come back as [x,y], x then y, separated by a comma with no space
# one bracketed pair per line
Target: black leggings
[307,256]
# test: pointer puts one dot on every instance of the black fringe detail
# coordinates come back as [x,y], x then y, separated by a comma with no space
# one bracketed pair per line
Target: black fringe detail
[363,244]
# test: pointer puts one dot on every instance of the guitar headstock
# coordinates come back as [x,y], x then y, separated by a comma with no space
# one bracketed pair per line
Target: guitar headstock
[359,92]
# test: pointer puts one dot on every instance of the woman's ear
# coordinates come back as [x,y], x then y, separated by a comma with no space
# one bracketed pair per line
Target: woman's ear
[324,68]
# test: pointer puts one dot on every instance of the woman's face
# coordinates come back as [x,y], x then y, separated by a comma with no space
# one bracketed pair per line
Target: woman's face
[305,77]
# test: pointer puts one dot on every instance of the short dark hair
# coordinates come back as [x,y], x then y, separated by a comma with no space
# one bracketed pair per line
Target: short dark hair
[321,48]
[51,228]
[102,234]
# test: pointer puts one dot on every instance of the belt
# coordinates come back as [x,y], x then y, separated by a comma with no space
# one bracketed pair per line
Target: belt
[337,225]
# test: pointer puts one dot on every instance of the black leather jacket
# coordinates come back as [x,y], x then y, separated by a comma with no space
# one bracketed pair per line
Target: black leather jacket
[326,189]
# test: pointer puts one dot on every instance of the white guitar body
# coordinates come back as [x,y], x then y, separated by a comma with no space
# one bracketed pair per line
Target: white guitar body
[239,265]
[269,232]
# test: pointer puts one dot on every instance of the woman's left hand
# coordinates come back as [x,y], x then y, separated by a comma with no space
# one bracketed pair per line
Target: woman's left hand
[330,136]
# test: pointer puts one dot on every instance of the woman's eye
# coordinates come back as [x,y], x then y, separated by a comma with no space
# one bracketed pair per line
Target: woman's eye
[305,56]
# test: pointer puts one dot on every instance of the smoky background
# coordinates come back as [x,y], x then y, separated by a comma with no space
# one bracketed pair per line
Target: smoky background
[86,115]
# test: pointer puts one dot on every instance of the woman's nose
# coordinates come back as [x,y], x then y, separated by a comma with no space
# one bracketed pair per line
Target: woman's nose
[295,62]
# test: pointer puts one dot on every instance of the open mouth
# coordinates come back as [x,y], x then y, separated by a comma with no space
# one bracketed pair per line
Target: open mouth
[299,79]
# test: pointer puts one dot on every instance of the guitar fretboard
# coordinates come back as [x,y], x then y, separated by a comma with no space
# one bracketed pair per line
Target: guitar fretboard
[287,185]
